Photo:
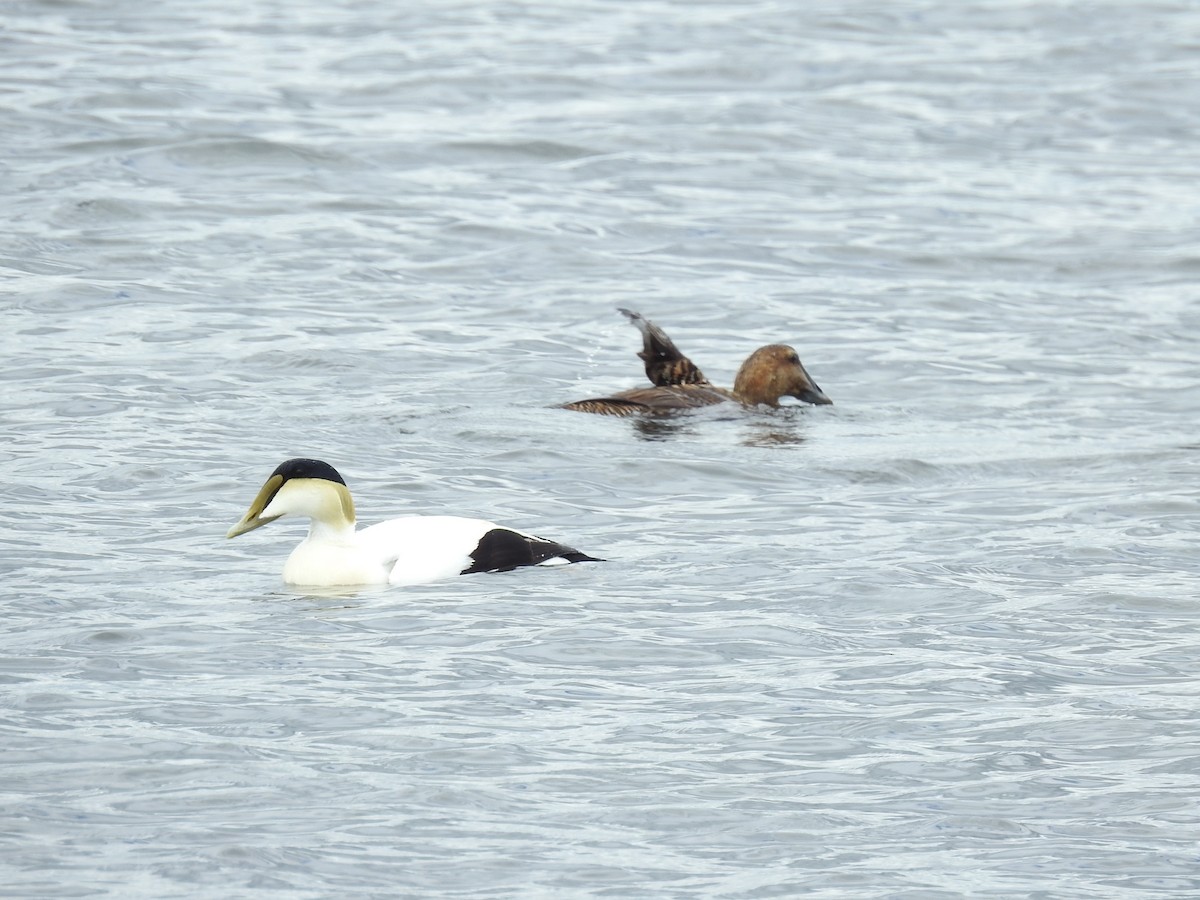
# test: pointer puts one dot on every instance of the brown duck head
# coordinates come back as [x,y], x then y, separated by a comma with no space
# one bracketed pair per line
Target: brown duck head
[772,372]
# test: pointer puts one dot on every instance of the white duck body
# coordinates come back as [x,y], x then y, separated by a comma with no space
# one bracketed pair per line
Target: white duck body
[408,550]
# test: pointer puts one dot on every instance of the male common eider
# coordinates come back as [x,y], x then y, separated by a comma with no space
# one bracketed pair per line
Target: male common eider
[408,550]
[767,374]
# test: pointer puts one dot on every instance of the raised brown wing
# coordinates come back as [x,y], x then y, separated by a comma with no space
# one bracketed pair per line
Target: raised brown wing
[665,365]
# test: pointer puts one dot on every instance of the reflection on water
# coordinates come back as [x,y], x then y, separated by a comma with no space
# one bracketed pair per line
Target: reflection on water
[662,427]
[760,427]
[766,436]
[332,596]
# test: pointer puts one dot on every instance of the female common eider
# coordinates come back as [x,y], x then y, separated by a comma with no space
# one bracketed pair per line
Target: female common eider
[408,550]
[767,374]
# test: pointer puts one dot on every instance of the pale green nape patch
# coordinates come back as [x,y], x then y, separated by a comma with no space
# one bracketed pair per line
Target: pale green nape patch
[347,501]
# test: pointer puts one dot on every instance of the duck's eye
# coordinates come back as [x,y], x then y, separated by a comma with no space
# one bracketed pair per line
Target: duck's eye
[793,358]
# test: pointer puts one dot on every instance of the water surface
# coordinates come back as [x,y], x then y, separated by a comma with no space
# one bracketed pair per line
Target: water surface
[936,640]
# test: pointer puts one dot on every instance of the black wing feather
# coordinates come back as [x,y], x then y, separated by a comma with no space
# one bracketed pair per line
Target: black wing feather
[501,550]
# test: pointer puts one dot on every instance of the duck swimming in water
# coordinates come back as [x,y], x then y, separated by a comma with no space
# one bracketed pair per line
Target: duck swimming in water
[767,374]
[408,550]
